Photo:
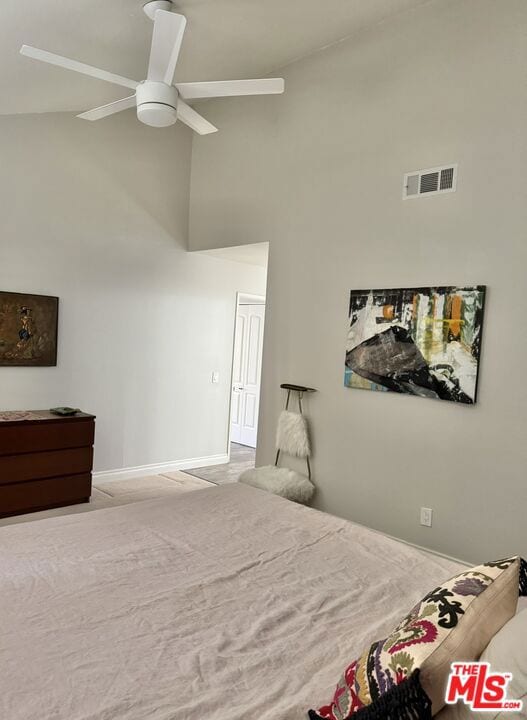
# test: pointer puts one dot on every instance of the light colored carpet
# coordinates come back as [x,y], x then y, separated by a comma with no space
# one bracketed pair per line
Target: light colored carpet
[121,492]
[150,488]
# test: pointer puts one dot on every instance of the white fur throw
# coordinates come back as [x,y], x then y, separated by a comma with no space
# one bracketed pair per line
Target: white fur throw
[292,434]
[280,481]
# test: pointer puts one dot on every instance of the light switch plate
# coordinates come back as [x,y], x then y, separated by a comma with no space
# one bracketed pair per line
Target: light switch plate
[215,377]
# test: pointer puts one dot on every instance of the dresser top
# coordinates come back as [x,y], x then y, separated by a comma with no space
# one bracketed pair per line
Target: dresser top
[10,417]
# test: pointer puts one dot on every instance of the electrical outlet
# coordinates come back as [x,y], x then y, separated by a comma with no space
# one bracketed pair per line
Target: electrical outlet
[426,517]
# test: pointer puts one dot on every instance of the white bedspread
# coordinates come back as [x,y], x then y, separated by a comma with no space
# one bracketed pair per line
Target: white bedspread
[222,604]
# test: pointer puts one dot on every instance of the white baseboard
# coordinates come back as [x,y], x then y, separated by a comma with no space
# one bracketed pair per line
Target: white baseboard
[159,468]
[430,551]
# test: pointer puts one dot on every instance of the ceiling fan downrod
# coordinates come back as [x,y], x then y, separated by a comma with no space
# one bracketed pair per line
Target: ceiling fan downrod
[154,5]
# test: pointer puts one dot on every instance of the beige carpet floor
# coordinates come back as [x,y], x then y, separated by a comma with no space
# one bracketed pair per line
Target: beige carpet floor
[122,492]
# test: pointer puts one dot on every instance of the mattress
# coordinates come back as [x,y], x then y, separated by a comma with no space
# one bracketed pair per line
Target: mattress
[222,604]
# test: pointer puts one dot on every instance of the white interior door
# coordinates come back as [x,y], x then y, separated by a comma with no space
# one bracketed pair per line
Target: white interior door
[247,371]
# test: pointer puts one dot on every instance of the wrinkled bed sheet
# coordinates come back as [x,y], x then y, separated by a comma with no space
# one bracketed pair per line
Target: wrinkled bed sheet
[222,604]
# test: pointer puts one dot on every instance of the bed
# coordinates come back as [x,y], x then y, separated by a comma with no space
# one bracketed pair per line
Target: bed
[222,604]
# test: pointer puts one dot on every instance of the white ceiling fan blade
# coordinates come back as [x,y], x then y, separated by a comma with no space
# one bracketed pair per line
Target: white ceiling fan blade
[193,119]
[166,43]
[230,88]
[111,109]
[79,67]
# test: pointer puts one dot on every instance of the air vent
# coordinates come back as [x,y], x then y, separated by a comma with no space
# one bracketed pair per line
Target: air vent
[430,182]
[447,179]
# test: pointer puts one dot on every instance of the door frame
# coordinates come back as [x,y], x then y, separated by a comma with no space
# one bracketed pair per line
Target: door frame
[242,298]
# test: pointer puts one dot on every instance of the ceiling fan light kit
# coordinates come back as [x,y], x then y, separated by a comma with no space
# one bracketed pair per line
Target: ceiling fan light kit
[156,104]
[160,101]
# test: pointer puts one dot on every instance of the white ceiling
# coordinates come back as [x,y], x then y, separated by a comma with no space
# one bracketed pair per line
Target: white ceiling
[225,39]
[256,254]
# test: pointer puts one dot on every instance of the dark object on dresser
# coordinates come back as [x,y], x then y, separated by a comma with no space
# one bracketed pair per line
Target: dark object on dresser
[45,460]
[64,411]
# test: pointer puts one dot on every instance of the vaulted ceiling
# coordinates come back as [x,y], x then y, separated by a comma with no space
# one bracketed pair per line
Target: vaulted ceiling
[225,39]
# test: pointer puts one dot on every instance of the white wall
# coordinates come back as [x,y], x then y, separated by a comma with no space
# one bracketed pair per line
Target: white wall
[319,172]
[98,215]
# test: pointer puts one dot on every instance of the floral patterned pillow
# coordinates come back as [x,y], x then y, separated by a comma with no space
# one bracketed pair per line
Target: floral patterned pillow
[404,676]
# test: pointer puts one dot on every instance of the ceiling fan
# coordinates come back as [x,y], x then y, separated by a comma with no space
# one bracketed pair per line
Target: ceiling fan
[160,101]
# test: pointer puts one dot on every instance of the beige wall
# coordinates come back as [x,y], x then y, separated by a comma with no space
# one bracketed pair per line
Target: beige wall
[98,214]
[318,173]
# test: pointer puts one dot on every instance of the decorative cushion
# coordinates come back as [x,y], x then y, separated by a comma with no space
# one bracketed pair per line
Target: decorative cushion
[405,675]
[506,653]
[280,481]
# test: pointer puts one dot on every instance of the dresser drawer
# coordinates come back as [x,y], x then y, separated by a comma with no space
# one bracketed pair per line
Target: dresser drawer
[46,436]
[36,465]
[39,494]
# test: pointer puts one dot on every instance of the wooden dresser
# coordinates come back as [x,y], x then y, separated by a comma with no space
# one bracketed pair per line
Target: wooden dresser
[45,460]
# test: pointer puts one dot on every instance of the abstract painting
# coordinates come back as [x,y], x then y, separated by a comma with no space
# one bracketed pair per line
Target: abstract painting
[419,341]
[28,329]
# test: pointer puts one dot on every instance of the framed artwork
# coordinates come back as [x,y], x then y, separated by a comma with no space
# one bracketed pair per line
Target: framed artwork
[420,341]
[28,329]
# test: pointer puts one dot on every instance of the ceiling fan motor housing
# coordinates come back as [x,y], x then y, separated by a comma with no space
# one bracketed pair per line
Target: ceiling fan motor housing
[156,104]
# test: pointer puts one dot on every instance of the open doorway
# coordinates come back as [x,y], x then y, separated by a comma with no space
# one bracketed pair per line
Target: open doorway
[243,397]
[245,392]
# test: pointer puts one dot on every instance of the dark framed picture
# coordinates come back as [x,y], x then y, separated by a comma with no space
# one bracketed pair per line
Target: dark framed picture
[423,341]
[28,330]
